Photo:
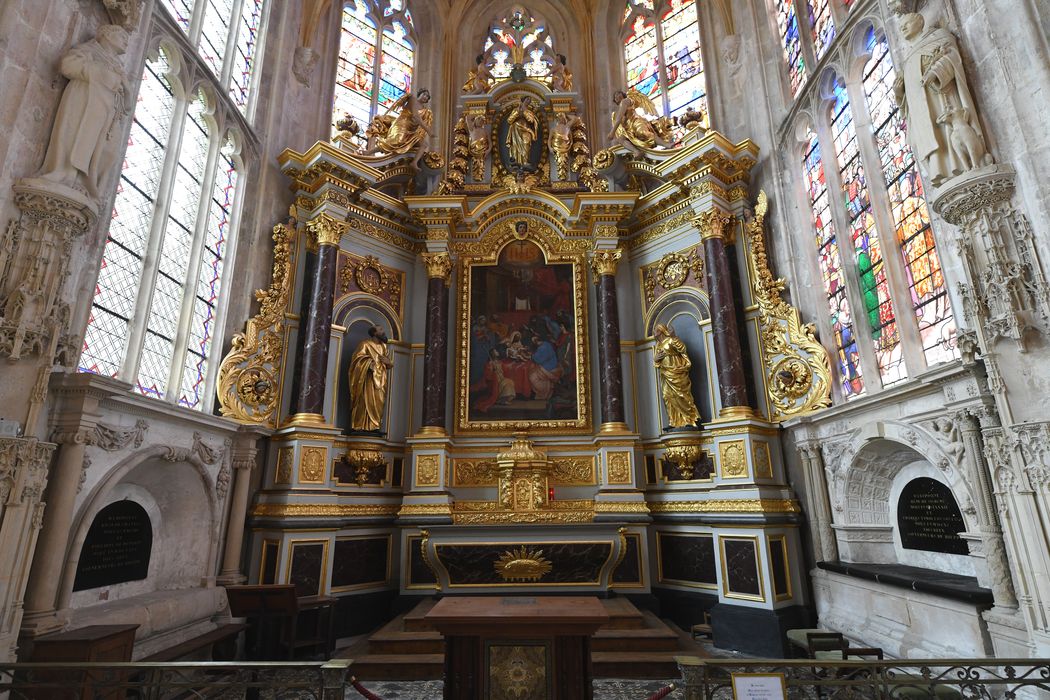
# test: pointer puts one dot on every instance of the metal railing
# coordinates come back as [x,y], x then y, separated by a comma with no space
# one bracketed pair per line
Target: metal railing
[322,680]
[940,679]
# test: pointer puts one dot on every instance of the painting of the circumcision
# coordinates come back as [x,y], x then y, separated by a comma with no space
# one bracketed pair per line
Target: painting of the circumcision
[522,342]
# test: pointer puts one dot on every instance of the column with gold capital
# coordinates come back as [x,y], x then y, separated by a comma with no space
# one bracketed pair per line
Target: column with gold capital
[714,226]
[315,329]
[435,355]
[610,371]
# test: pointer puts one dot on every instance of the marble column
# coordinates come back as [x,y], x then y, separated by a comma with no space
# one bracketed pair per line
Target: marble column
[244,455]
[435,355]
[316,327]
[610,370]
[729,359]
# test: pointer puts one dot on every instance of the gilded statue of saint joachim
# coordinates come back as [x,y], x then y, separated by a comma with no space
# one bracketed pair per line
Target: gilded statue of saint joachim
[523,126]
[368,379]
[673,365]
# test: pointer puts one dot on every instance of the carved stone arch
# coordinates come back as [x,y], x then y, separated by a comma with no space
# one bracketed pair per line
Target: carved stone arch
[240,153]
[856,53]
[213,106]
[824,95]
[180,70]
[365,307]
[97,497]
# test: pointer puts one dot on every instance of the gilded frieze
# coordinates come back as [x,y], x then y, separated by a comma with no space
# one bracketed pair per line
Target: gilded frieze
[564,471]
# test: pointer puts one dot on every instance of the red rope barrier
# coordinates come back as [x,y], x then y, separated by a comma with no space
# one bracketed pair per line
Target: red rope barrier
[662,693]
[364,692]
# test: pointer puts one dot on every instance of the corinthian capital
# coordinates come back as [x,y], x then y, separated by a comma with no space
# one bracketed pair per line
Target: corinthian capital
[438,265]
[327,230]
[604,262]
[712,224]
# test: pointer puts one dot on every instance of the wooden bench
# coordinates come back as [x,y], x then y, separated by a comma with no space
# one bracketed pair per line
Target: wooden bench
[221,642]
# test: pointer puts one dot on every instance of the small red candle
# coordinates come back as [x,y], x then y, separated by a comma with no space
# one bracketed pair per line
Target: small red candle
[550,493]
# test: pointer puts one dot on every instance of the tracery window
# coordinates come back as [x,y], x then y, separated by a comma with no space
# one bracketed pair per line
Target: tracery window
[519,37]
[158,295]
[376,59]
[662,54]
[791,41]
[903,320]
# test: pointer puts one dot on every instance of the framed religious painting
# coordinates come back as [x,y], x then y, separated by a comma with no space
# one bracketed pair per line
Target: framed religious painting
[523,332]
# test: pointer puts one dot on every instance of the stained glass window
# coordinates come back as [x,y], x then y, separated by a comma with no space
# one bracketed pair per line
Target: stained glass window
[864,236]
[375,50]
[116,290]
[822,25]
[662,54]
[791,41]
[523,32]
[153,314]
[832,274]
[226,41]
[911,217]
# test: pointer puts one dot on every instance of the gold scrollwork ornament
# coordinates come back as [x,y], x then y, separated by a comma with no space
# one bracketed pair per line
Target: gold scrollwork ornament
[673,271]
[438,265]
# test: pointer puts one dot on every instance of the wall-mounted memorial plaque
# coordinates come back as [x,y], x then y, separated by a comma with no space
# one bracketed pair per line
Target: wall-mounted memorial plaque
[117,547]
[929,518]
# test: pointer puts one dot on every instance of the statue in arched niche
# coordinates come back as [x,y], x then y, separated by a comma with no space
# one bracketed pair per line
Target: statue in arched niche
[368,381]
[523,127]
[673,363]
[936,101]
[86,140]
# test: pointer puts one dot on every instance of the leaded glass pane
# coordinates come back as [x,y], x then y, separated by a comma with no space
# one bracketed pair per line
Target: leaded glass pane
[822,24]
[245,52]
[208,284]
[680,29]
[911,217]
[165,309]
[395,67]
[113,306]
[214,33]
[787,24]
[832,274]
[180,10]
[867,248]
[643,58]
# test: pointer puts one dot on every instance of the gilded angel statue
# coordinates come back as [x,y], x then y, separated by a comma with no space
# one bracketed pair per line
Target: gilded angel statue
[408,132]
[560,141]
[634,131]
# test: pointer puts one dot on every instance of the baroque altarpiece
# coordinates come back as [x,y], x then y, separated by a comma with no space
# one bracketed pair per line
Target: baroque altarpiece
[523,367]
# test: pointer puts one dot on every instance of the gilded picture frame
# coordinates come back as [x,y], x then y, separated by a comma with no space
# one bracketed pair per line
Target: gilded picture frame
[485,253]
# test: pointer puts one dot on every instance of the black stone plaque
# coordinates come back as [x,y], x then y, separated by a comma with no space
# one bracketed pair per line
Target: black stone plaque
[360,562]
[629,572]
[307,568]
[929,518]
[117,547]
[268,569]
[741,568]
[688,559]
[778,562]
[419,574]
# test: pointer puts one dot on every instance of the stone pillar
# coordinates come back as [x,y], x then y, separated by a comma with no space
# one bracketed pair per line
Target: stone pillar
[244,458]
[825,546]
[316,327]
[23,473]
[435,356]
[610,370]
[75,422]
[987,513]
[729,359]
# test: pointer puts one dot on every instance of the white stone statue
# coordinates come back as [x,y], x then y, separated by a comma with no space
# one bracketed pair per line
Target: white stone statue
[936,101]
[86,138]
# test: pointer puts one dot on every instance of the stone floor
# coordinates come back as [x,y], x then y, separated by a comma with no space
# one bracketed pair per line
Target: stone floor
[605,689]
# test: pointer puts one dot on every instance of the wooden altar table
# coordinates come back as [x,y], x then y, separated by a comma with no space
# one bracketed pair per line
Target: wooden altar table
[518,647]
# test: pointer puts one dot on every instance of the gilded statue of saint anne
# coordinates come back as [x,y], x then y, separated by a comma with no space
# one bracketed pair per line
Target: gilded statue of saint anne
[368,380]
[673,365]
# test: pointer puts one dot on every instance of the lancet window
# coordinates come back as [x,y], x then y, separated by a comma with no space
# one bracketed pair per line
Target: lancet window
[519,37]
[159,292]
[890,272]
[226,34]
[375,63]
[663,56]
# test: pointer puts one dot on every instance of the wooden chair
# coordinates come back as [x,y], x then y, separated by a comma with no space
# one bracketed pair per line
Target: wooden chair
[703,629]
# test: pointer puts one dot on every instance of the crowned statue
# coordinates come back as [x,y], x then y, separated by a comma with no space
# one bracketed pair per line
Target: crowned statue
[634,131]
[408,132]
